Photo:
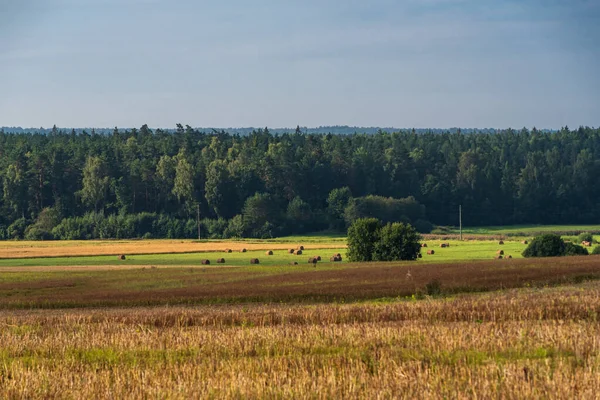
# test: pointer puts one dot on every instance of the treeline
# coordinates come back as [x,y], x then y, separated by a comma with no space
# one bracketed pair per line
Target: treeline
[154,183]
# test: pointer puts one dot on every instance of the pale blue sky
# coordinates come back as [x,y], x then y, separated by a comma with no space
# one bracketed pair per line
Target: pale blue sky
[233,63]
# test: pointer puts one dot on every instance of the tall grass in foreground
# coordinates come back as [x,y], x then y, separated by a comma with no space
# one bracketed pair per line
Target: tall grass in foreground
[534,343]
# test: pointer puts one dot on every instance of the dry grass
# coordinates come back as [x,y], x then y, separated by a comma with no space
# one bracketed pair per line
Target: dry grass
[24,249]
[302,283]
[516,344]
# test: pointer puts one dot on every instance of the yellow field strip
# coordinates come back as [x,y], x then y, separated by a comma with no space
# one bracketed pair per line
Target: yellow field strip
[100,248]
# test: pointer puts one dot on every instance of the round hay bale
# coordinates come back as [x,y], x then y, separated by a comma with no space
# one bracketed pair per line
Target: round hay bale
[269,253]
[509,256]
[338,255]
[243,250]
[419,255]
[498,257]
[294,263]
[220,261]
[298,252]
[312,260]
[442,245]
[431,252]
[318,258]
[501,242]
[205,262]
[122,257]
[500,252]
[254,261]
[300,248]
[424,245]
[524,242]
[291,251]
[228,251]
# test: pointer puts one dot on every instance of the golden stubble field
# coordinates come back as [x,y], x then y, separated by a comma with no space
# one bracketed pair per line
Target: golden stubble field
[526,343]
[24,249]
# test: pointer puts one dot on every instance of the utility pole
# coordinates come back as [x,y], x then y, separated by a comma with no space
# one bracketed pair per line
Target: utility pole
[460,219]
[198,218]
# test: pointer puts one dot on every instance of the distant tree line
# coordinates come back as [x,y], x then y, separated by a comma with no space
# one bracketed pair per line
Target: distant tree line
[154,183]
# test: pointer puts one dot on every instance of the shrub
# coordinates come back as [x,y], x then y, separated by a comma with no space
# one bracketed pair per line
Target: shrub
[34,233]
[585,237]
[362,236]
[397,242]
[16,230]
[552,245]
[575,250]
[235,227]
[368,240]
[423,226]
[596,250]
[214,228]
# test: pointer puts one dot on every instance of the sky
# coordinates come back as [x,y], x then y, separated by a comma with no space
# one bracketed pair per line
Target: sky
[241,63]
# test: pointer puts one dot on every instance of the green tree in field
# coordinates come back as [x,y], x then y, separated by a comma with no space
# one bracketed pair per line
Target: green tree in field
[397,241]
[95,183]
[551,245]
[363,235]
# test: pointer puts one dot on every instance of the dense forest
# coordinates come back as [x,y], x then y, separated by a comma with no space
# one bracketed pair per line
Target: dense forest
[154,183]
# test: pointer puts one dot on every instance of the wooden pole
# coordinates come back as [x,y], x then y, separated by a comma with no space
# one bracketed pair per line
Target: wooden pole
[460,219]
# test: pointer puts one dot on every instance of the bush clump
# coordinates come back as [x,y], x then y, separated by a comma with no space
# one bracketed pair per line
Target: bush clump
[552,245]
[596,250]
[585,237]
[370,240]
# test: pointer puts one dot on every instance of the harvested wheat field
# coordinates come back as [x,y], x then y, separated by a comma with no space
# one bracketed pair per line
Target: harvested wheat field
[24,249]
[526,343]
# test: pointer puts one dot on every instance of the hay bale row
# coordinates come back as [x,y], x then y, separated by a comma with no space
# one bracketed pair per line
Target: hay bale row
[336,258]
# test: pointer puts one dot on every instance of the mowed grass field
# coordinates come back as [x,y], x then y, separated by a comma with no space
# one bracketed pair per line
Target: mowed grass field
[190,253]
[456,324]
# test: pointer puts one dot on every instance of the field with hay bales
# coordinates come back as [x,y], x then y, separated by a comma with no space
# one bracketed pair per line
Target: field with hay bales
[175,322]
